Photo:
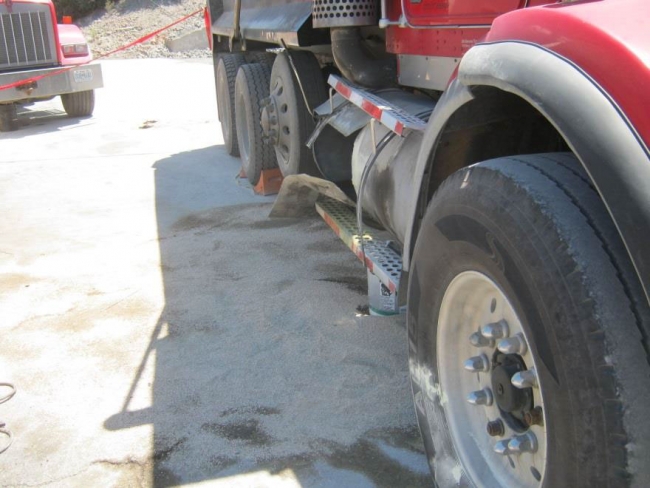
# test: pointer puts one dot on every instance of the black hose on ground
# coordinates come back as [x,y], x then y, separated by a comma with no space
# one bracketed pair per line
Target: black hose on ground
[3,431]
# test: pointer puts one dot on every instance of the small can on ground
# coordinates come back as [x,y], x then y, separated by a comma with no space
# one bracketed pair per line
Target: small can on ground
[381,300]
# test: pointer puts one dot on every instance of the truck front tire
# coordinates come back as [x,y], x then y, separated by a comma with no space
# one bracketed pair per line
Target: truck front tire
[8,117]
[251,87]
[79,104]
[527,332]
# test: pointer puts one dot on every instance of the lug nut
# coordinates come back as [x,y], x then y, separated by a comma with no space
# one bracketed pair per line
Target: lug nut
[477,363]
[534,417]
[513,345]
[525,379]
[479,340]
[495,428]
[501,447]
[523,443]
[496,330]
[481,397]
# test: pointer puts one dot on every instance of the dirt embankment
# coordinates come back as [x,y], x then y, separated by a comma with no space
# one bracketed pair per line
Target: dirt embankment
[124,21]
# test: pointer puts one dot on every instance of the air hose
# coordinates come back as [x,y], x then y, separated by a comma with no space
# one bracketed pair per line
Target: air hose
[6,432]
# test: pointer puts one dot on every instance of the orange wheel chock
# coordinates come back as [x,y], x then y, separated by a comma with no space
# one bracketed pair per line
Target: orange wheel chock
[270,182]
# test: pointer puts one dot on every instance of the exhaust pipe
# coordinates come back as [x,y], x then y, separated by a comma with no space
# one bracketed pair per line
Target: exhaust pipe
[357,63]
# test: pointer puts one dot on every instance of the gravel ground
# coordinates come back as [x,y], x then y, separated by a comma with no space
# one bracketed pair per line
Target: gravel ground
[163,331]
[124,21]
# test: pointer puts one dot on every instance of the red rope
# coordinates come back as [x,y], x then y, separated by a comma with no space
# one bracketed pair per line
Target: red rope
[149,36]
[123,48]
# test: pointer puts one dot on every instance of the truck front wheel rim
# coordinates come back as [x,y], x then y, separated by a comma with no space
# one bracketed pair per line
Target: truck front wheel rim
[493,400]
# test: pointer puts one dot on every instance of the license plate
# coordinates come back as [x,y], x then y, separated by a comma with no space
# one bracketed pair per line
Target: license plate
[82,75]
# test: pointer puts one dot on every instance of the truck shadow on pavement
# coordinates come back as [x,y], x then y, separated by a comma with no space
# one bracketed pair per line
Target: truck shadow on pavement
[263,375]
[33,121]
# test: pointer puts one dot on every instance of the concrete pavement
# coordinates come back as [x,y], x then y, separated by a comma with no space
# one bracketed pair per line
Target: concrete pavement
[162,331]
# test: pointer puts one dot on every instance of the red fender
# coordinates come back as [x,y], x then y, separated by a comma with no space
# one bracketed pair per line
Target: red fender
[608,40]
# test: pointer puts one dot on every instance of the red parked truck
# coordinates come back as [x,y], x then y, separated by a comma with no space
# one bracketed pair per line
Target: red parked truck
[33,44]
[504,147]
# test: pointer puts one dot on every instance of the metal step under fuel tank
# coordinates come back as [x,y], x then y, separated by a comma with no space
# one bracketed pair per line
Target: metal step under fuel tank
[384,264]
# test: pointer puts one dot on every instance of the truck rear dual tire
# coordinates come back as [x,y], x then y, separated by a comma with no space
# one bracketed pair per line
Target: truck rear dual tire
[260,57]
[251,87]
[527,242]
[226,67]
[79,104]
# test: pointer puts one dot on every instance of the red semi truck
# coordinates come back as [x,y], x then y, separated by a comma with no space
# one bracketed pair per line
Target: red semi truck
[33,44]
[504,147]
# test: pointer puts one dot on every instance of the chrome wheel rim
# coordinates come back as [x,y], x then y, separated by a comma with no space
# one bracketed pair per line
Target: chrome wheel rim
[492,399]
[282,102]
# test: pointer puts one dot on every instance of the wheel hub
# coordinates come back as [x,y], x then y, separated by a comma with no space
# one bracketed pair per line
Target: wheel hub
[278,120]
[508,397]
[269,121]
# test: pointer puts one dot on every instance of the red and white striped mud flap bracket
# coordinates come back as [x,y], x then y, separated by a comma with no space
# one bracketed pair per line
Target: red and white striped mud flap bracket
[394,118]
[384,262]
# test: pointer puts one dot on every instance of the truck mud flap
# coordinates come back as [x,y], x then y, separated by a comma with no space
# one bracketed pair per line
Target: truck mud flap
[299,193]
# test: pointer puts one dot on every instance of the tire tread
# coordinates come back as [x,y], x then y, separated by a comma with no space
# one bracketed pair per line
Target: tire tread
[8,118]
[79,104]
[581,192]
[564,172]
[592,287]
[231,63]
[253,81]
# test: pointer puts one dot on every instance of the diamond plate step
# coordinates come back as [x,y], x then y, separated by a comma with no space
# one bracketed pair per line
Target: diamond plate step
[381,260]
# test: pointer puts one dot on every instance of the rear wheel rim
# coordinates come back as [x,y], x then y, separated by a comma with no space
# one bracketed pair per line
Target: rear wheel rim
[480,339]
[285,126]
